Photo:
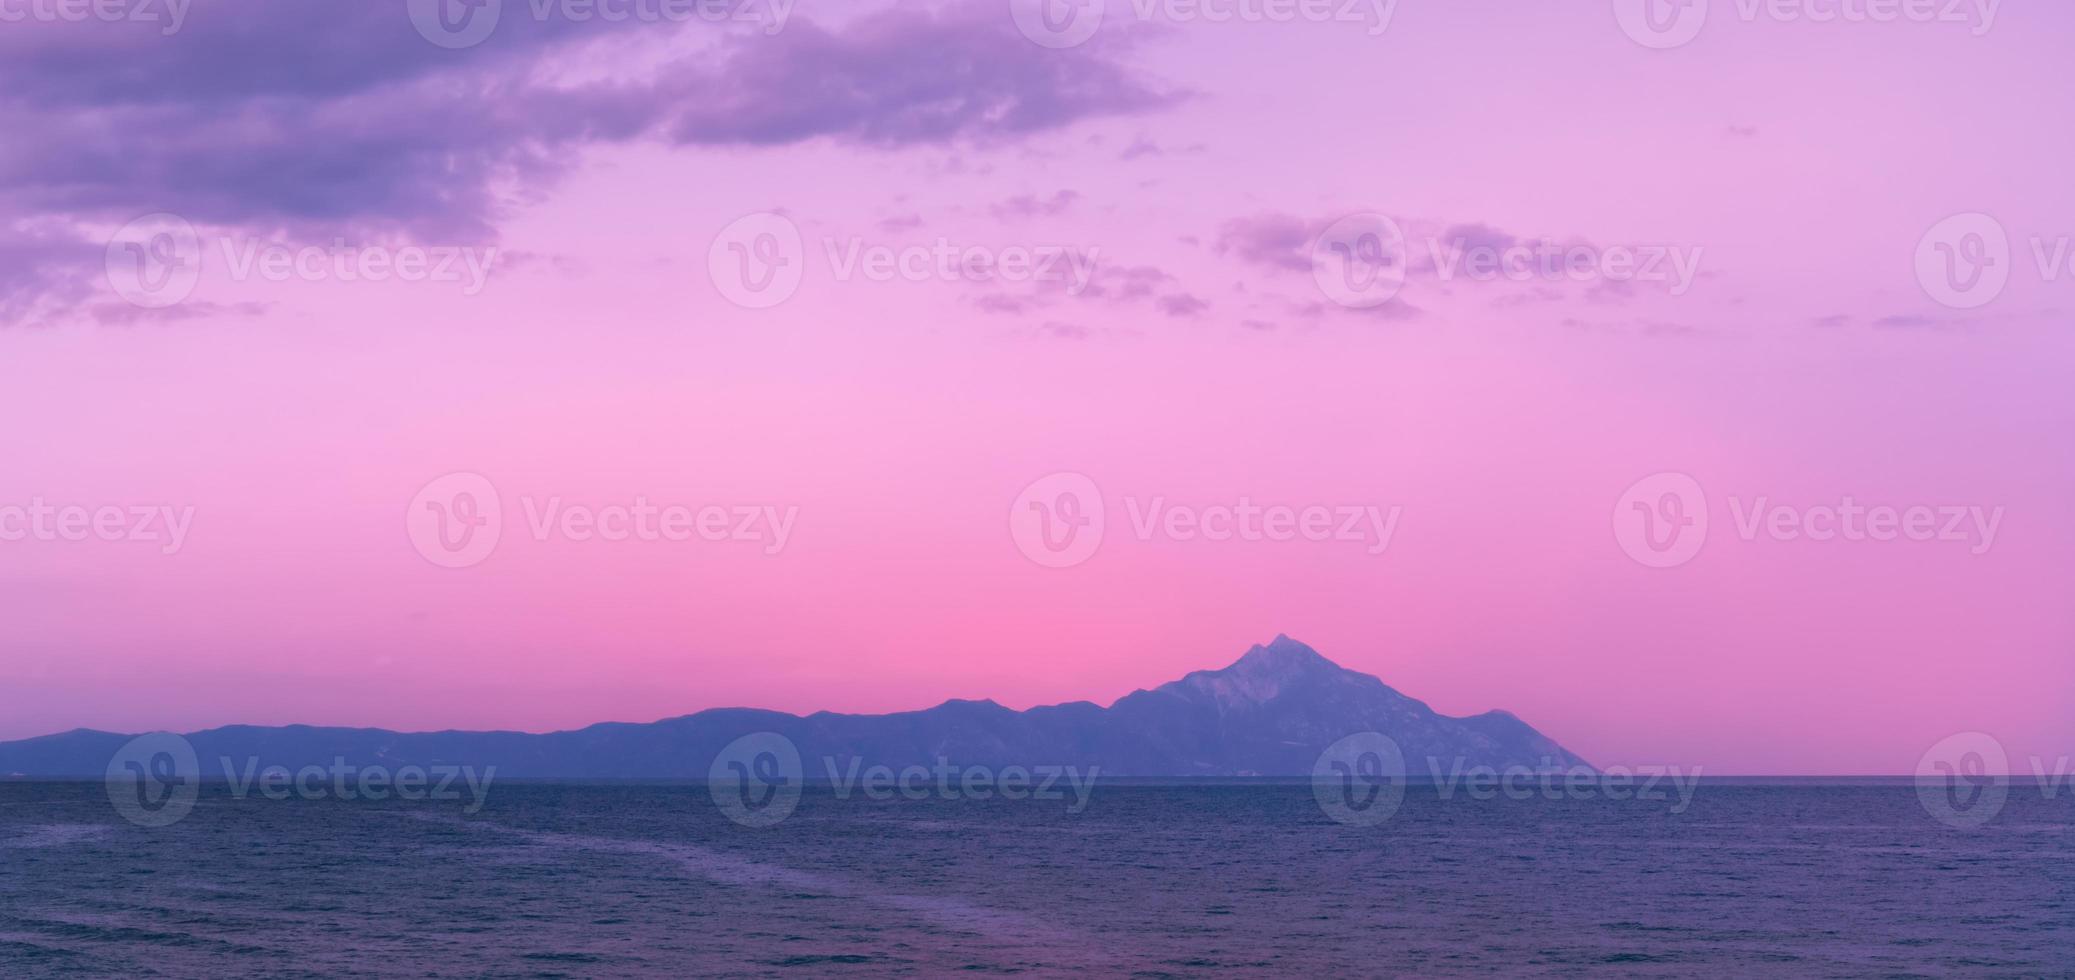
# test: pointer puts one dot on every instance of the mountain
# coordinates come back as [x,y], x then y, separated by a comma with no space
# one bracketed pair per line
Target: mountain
[1270,713]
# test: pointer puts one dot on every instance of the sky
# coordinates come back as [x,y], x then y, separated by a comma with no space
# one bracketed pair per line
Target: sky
[1691,381]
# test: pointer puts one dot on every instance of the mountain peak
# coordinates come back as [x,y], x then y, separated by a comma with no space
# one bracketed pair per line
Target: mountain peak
[1282,657]
[1261,675]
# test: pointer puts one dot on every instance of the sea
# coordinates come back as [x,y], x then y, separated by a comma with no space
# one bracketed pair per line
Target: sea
[1147,880]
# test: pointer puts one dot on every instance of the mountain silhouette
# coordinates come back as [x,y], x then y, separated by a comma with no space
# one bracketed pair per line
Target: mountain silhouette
[1270,713]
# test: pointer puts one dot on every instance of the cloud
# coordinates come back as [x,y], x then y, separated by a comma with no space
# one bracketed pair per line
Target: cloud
[1278,241]
[1666,328]
[1610,291]
[1394,308]
[123,314]
[1144,146]
[1444,258]
[1006,303]
[1125,283]
[1182,305]
[1031,206]
[43,271]
[1063,331]
[1908,321]
[303,118]
[1109,286]
[902,77]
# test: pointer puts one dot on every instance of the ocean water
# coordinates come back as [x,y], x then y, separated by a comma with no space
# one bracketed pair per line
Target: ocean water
[585,880]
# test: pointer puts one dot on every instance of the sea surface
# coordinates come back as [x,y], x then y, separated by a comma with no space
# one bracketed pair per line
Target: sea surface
[630,880]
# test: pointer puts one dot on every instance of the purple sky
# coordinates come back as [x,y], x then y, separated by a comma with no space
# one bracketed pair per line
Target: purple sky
[866,276]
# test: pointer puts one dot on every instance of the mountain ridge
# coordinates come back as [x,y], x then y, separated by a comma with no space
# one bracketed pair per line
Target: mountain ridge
[1268,713]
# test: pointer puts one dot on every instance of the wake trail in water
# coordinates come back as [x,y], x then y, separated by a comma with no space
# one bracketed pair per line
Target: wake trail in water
[1011,930]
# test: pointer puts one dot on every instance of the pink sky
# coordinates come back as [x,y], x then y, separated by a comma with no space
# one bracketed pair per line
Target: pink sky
[1801,163]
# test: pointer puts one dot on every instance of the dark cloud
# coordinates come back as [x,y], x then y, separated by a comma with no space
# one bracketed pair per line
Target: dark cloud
[306,118]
